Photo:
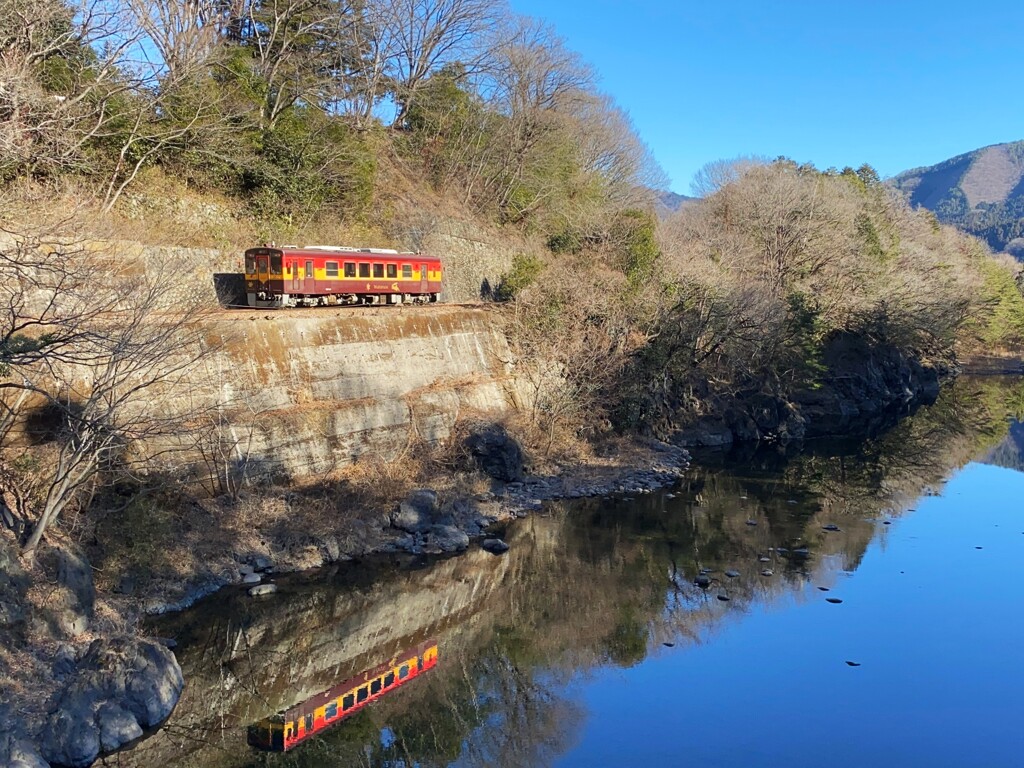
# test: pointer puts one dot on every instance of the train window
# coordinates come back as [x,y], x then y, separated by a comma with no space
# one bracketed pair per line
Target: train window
[289,729]
[375,686]
[250,264]
[309,723]
[403,672]
[389,679]
[364,270]
[331,711]
[332,269]
[378,270]
[407,271]
[350,269]
[392,271]
[362,694]
[275,264]
[348,701]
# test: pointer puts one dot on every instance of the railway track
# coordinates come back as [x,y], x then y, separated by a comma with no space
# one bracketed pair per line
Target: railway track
[244,311]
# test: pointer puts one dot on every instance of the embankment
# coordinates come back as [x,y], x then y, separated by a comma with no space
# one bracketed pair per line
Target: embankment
[296,395]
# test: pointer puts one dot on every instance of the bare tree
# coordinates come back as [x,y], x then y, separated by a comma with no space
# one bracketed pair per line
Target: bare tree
[94,348]
[421,36]
[183,33]
[717,174]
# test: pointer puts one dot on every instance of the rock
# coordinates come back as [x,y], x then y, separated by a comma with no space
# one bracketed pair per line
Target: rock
[496,453]
[833,600]
[709,432]
[448,538]
[751,522]
[245,570]
[261,563]
[830,527]
[669,645]
[724,598]
[19,753]
[117,726]
[262,589]
[886,522]
[495,546]
[853,663]
[703,581]
[764,559]
[121,687]
[332,547]
[417,513]
[824,589]
[732,574]
[64,661]
[767,572]
[252,578]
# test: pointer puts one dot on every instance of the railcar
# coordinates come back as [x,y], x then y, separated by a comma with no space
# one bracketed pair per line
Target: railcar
[290,728]
[318,275]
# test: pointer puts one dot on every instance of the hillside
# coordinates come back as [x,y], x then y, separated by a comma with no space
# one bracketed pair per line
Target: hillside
[982,192]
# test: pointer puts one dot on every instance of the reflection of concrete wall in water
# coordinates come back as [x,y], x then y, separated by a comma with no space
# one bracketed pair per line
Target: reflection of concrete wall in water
[251,659]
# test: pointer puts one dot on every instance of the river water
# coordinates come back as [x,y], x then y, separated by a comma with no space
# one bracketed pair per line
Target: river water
[874,617]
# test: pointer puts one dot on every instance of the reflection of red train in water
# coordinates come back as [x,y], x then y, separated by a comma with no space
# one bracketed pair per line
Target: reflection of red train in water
[287,729]
[316,275]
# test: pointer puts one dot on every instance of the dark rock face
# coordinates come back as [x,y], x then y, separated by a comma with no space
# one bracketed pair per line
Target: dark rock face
[121,687]
[862,388]
[864,383]
[496,453]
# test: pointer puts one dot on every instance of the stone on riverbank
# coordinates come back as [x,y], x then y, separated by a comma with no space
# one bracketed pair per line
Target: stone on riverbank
[416,514]
[121,687]
[19,753]
[495,546]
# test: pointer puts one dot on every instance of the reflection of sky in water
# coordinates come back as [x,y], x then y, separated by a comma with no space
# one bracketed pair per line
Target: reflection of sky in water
[937,625]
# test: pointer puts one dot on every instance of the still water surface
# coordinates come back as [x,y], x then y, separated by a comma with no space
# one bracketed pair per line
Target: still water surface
[590,644]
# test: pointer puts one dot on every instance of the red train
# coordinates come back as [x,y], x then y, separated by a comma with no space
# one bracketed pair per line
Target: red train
[288,729]
[317,275]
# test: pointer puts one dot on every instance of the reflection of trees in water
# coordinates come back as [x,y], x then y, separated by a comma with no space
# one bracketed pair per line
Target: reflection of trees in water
[603,582]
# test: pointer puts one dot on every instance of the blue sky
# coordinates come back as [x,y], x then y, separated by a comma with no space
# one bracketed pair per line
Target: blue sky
[897,84]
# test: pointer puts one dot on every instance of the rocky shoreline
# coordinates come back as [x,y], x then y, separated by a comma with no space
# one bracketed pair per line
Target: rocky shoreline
[110,691]
[424,524]
[104,698]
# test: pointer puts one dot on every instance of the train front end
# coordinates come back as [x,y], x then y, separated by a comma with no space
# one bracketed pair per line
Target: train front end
[264,277]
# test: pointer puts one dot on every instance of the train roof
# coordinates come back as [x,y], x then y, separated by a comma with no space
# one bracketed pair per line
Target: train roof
[320,250]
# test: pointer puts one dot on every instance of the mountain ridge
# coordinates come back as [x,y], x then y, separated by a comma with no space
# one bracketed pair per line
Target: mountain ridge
[981,192]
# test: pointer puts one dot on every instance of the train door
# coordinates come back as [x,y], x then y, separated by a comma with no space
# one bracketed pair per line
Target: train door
[263,268]
[293,266]
[310,281]
[423,278]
